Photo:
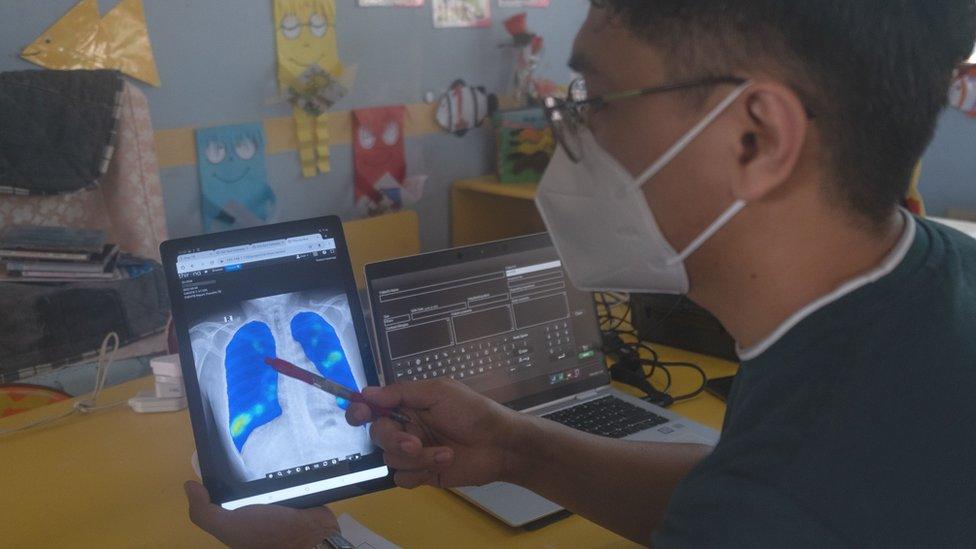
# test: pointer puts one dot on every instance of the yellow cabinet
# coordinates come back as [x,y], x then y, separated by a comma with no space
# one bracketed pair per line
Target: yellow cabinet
[483,210]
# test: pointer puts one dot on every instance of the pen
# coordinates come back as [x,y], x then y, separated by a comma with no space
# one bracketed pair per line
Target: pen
[286,368]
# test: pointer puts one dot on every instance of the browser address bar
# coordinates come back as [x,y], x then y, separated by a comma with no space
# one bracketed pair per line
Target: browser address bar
[252,253]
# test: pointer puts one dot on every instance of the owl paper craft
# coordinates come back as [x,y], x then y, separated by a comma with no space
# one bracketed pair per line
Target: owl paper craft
[308,74]
[82,39]
[233,177]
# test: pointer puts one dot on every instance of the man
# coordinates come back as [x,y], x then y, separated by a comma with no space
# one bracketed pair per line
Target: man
[769,144]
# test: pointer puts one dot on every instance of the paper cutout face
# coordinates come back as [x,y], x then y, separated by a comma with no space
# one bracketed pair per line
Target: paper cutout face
[378,152]
[82,39]
[305,36]
[233,176]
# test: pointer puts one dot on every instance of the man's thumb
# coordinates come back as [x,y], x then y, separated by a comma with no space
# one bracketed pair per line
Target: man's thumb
[202,511]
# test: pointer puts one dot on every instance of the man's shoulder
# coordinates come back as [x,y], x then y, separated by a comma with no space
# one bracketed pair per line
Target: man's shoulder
[946,286]
[955,243]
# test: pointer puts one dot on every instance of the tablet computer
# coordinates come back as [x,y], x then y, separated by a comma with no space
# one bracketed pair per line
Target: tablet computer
[282,291]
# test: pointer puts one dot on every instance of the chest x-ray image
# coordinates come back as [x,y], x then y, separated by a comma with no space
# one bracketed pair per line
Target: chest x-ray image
[268,422]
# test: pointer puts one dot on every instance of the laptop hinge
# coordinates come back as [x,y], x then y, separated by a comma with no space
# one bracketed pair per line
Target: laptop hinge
[587,395]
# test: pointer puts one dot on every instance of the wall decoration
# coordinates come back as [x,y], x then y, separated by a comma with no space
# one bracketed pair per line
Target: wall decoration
[396,195]
[461,13]
[523,3]
[82,39]
[233,177]
[914,201]
[962,95]
[380,161]
[309,74]
[529,47]
[397,3]
[525,145]
[463,107]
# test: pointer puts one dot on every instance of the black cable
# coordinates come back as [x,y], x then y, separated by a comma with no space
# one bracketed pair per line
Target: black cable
[655,366]
[608,315]
[629,365]
[698,369]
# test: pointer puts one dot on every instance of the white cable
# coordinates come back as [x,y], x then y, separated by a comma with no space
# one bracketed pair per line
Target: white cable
[90,404]
[101,375]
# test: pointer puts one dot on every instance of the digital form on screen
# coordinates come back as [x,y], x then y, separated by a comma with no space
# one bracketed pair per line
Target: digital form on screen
[508,326]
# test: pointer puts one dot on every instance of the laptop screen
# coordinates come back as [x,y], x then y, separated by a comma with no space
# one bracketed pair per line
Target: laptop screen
[502,318]
[277,292]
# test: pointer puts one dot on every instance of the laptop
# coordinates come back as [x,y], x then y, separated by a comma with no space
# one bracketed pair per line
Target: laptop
[504,319]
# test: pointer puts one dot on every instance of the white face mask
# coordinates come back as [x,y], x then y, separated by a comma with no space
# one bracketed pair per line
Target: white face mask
[602,225]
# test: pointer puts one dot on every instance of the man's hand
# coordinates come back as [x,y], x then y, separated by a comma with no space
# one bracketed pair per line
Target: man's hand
[458,437]
[260,526]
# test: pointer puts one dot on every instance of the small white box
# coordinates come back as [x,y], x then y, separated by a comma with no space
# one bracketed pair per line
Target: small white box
[168,366]
[146,403]
[169,377]
[169,387]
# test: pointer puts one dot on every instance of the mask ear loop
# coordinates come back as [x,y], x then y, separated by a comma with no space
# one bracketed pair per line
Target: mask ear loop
[680,146]
[709,232]
[692,134]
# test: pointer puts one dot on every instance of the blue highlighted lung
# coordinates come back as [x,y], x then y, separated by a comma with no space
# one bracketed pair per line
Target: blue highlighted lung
[322,347]
[252,385]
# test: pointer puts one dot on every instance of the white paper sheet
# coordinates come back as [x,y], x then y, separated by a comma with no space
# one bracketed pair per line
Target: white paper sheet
[362,537]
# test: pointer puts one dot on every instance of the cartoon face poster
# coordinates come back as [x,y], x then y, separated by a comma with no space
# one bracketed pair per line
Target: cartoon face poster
[461,13]
[305,36]
[309,74]
[380,162]
[233,178]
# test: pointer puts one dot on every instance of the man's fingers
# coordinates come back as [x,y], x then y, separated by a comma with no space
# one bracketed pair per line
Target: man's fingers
[416,395]
[358,414]
[203,512]
[323,520]
[390,436]
[430,459]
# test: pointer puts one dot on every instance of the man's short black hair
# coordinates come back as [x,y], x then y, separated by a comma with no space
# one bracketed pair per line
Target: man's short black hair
[875,73]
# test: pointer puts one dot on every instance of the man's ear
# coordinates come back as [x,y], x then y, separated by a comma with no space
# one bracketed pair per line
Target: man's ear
[773,130]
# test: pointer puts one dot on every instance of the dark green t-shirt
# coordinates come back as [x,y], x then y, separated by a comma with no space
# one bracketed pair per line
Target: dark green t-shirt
[858,427]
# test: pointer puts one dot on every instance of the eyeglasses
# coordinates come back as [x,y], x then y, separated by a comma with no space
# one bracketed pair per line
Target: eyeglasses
[566,116]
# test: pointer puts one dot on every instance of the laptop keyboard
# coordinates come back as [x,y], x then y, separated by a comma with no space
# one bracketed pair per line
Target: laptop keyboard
[505,353]
[608,416]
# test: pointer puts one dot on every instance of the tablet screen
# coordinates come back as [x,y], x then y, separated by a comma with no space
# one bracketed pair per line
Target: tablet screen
[241,298]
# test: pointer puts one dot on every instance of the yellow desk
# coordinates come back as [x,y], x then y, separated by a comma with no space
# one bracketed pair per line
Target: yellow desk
[114,479]
[483,210]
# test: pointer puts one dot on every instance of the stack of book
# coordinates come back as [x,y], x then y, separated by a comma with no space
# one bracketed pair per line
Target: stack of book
[32,253]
